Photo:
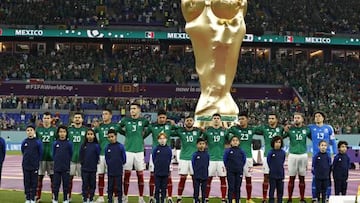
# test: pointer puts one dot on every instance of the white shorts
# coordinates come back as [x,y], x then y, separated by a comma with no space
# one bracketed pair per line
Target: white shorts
[46,166]
[135,159]
[248,167]
[151,165]
[101,167]
[266,169]
[75,169]
[297,164]
[185,167]
[217,168]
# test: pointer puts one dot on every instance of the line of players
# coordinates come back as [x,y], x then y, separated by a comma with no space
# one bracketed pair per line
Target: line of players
[135,128]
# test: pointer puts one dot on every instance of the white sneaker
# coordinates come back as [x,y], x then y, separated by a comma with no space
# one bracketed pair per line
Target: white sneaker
[141,200]
[32,201]
[116,199]
[125,199]
[27,201]
[100,199]
[54,201]
[66,201]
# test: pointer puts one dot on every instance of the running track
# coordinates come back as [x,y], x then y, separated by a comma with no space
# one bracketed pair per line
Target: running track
[12,178]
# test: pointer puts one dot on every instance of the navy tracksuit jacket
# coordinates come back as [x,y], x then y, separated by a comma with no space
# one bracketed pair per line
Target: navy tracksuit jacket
[275,160]
[161,155]
[115,158]
[234,161]
[341,166]
[32,153]
[321,169]
[62,153]
[89,158]
[200,163]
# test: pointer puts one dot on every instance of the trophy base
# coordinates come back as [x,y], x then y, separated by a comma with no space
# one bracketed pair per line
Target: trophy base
[202,121]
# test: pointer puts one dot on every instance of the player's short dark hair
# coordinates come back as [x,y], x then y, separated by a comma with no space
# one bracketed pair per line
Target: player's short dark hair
[244,113]
[321,113]
[299,113]
[342,142]
[78,113]
[161,112]
[276,138]
[216,114]
[321,141]
[30,126]
[135,104]
[112,131]
[46,113]
[189,116]
[200,139]
[108,110]
[273,114]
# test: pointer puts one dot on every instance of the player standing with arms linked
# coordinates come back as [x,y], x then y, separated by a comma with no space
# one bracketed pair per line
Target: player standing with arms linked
[102,134]
[77,134]
[215,136]
[269,131]
[245,134]
[162,125]
[188,136]
[47,135]
[298,158]
[134,127]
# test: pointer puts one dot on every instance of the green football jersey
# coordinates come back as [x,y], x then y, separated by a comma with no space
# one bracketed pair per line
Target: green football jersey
[134,129]
[101,133]
[77,137]
[216,142]
[47,137]
[155,129]
[268,133]
[188,141]
[297,136]
[245,136]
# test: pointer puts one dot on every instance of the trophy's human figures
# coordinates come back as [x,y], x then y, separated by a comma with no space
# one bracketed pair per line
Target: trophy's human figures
[216,29]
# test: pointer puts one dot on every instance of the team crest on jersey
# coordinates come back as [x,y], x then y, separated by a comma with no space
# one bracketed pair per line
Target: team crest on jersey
[326,131]
[339,159]
[140,123]
[156,128]
[26,144]
[83,133]
[109,150]
[304,131]
[249,132]
[198,157]
[273,155]
[222,133]
[167,127]
[231,152]
[58,145]
[194,133]
[158,151]
[51,133]
[277,130]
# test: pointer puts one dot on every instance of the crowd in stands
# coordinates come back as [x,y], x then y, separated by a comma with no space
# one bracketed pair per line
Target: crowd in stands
[280,16]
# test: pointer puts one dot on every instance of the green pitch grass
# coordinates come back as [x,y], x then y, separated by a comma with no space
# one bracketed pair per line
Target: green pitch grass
[12,196]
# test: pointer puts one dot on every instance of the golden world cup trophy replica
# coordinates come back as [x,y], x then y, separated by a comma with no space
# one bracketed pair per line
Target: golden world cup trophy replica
[216,29]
